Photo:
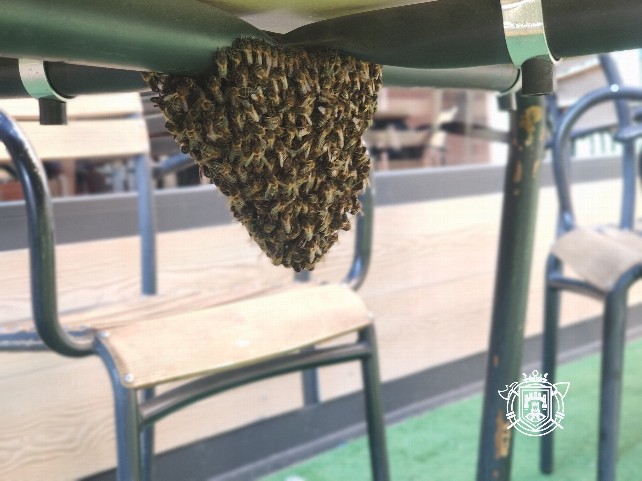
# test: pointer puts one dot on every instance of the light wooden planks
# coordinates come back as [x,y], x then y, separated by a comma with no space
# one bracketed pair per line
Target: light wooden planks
[220,260]
[397,138]
[81,107]
[430,288]
[94,140]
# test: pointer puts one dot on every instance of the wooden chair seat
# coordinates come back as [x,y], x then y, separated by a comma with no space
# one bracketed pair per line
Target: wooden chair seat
[599,256]
[205,341]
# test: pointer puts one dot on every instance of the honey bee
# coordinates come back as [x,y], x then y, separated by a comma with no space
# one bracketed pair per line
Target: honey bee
[221,63]
[307,232]
[271,123]
[215,88]
[236,59]
[268,60]
[309,184]
[210,153]
[328,196]
[260,72]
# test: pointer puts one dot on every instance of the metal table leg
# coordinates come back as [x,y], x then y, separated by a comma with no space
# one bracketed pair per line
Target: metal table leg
[511,284]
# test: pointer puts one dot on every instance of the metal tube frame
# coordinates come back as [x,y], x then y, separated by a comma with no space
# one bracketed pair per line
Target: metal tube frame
[561,157]
[134,416]
[511,284]
[72,79]
[146,225]
[41,244]
[615,305]
[172,164]
[363,240]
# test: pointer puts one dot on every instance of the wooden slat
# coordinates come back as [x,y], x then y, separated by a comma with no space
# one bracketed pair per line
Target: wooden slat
[86,139]
[599,257]
[397,138]
[233,335]
[403,108]
[221,260]
[81,107]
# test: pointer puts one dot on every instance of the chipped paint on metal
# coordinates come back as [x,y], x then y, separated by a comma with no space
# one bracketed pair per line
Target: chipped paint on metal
[502,436]
[536,167]
[529,121]
[519,172]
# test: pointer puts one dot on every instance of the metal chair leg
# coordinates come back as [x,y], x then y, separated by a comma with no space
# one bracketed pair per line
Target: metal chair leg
[549,356]
[128,435]
[128,427]
[610,394]
[374,410]
[147,441]
[310,384]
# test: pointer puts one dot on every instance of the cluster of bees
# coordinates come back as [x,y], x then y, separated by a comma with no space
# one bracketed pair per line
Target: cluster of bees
[278,130]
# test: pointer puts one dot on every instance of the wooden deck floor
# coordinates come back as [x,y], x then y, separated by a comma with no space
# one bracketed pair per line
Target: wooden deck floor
[430,288]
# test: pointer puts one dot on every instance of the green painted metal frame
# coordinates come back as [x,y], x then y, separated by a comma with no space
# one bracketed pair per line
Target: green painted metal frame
[167,36]
[615,300]
[133,415]
[521,187]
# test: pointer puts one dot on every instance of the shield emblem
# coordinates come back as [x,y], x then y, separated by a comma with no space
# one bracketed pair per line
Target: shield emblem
[535,407]
[535,401]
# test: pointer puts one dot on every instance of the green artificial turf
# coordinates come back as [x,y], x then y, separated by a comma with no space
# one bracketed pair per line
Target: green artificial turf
[442,444]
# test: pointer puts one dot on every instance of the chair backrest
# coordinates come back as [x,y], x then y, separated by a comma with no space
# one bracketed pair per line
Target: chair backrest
[626,134]
[99,127]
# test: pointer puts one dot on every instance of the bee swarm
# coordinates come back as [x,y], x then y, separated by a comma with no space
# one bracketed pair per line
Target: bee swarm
[278,130]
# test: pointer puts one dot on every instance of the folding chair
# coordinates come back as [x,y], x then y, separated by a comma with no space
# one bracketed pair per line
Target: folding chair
[212,348]
[606,261]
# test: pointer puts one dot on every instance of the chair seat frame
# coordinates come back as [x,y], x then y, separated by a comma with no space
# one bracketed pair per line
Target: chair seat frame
[137,409]
[615,299]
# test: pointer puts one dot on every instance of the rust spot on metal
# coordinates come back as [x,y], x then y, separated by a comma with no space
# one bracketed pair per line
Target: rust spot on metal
[519,172]
[536,167]
[529,122]
[502,436]
[495,360]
